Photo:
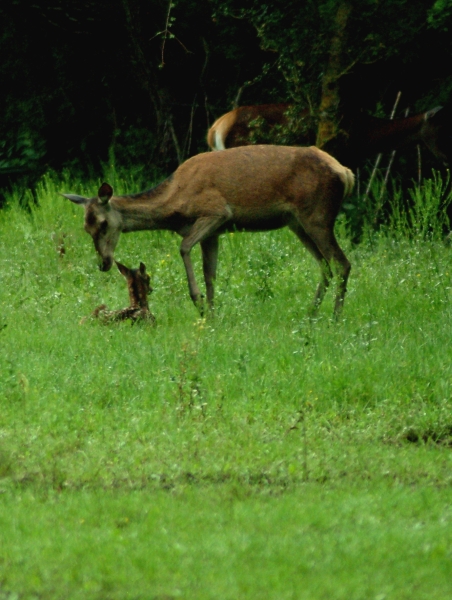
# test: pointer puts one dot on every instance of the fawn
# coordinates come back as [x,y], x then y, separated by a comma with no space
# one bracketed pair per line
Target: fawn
[138,283]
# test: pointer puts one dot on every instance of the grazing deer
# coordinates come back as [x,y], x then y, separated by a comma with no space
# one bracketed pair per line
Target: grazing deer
[138,283]
[364,135]
[252,188]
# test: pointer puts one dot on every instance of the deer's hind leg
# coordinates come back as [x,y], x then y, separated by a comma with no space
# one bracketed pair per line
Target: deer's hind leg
[209,248]
[326,274]
[322,235]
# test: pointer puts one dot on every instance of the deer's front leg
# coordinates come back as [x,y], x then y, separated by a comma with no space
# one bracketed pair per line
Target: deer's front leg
[193,288]
[201,230]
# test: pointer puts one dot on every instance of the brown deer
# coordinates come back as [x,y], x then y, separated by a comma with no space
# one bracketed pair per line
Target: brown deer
[138,284]
[233,128]
[364,135]
[252,188]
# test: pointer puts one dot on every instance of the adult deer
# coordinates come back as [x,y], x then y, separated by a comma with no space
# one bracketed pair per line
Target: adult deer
[364,135]
[254,188]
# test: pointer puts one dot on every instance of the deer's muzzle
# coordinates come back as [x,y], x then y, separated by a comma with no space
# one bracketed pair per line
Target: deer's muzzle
[105,264]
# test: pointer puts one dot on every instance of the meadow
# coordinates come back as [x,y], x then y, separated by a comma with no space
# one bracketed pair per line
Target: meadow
[258,454]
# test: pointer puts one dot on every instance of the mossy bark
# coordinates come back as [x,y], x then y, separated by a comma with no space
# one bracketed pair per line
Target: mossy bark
[329,120]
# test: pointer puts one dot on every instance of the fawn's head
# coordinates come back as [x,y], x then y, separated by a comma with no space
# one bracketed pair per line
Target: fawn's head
[138,283]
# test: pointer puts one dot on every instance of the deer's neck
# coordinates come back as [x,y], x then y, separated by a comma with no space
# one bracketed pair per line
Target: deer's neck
[137,295]
[383,134]
[139,303]
[145,210]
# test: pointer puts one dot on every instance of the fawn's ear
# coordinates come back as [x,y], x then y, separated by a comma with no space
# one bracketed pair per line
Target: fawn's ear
[142,268]
[122,269]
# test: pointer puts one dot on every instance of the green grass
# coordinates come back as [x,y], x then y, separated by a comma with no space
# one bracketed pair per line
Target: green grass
[258,454]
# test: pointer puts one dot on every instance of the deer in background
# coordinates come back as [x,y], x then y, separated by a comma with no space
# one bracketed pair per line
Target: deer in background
[252,188]
[364,135]
[234,128]
[138,284]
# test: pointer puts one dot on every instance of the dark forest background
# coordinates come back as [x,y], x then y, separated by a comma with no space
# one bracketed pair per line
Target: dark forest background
[140,81]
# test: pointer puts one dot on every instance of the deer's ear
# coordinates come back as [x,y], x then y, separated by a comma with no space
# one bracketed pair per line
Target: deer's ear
[105,193]
[436,114]
[122,269]
[142,268]
[76,199]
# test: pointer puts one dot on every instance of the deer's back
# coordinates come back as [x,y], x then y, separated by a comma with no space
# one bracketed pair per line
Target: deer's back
[253,178]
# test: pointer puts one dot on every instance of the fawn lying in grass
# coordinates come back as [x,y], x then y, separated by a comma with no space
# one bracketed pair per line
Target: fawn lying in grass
[138,283]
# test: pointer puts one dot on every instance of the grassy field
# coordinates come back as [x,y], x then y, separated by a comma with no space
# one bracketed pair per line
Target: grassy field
[256,455]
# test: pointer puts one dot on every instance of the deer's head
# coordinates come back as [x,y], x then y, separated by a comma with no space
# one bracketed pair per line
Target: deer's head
[437,133]
[103,222]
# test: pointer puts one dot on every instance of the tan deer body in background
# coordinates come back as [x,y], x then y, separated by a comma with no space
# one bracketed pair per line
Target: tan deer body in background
[234,127]
[365,135]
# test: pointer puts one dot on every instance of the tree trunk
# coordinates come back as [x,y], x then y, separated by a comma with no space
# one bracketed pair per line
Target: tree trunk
[328,132]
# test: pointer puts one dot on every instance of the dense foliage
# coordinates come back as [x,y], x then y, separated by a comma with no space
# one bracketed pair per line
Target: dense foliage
[142,80]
